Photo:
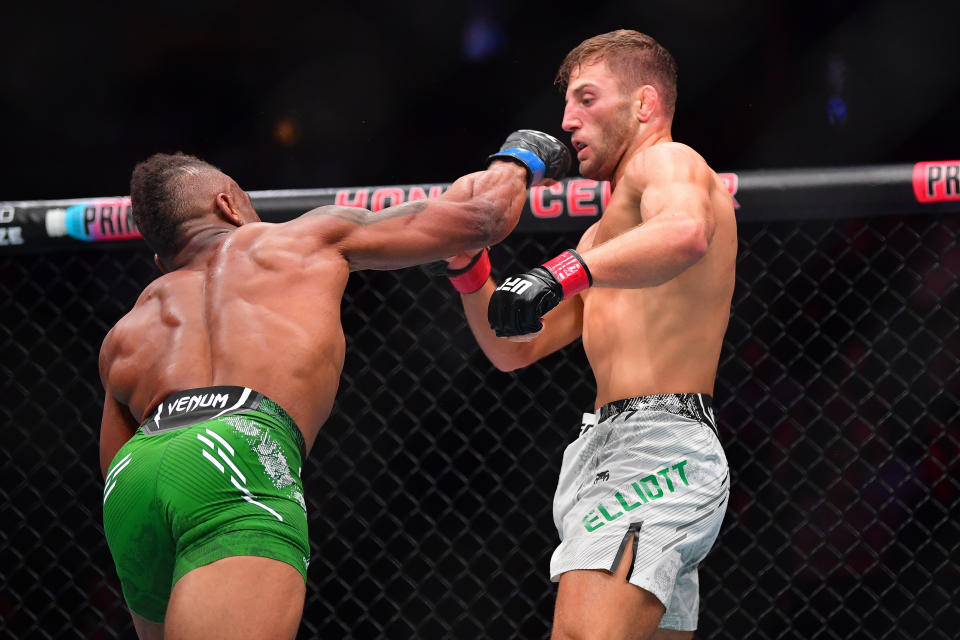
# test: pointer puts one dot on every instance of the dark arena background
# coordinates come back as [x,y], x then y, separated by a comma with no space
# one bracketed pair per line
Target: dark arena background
[429,490]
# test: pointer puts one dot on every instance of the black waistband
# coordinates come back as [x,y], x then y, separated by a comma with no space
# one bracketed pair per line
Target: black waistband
[697,406]
[190,406]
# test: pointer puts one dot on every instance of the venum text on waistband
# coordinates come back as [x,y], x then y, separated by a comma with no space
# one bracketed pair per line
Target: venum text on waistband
[202,401]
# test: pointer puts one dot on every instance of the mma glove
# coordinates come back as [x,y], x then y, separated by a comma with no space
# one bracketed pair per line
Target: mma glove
[543,156]
[520,302]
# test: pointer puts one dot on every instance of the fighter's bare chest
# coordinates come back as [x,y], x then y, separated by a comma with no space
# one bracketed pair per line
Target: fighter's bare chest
[607,229]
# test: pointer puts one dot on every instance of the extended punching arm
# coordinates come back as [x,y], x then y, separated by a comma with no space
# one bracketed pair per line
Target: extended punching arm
[545,158]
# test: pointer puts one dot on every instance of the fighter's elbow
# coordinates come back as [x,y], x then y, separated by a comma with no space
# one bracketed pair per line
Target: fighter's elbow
[506,365]
[693,240]
[508,359]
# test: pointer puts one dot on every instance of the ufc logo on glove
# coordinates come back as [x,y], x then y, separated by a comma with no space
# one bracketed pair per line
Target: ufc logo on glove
[536,292]
[515,285]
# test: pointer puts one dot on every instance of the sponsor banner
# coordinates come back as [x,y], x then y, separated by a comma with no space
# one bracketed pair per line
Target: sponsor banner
[99,220]
[377,198]
[572,204]
[11,233]
[937,181]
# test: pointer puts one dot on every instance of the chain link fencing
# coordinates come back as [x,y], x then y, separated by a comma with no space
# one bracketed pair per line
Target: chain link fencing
[430,488]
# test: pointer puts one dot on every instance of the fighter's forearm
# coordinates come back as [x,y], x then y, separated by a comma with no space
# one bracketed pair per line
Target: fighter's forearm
[649,254]
[491,200]
[504,354]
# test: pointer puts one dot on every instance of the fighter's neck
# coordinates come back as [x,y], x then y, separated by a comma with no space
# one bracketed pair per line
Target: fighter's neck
[201,243]
[644,140]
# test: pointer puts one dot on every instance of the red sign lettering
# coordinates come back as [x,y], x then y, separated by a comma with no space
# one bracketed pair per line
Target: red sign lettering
[382,195]
[732,182]
[344,199]
[417,193]
[937,181]
[582,197]
[546,202]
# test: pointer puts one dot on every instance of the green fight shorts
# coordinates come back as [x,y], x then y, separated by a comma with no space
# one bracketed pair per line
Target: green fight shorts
[212,473]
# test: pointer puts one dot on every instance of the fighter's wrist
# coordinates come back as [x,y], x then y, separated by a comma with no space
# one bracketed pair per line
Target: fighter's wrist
[513,165]
[533,167]
[461,261]
[473,276]
[570,271]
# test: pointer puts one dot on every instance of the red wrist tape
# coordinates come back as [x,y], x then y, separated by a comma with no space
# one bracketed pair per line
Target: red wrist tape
[472,277]
[570,271]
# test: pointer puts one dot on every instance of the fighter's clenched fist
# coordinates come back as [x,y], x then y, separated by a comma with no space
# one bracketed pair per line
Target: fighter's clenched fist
[517,306]
[545,157]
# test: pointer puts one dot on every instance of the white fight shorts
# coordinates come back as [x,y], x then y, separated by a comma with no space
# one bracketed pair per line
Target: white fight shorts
[651,466]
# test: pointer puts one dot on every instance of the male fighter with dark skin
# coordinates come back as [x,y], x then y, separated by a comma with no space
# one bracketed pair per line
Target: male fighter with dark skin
[661,258]
[243,302]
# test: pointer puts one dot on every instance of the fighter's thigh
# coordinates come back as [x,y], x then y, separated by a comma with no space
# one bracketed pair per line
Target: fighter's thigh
[599,604]
[239,597]
[670,634]
[147,630]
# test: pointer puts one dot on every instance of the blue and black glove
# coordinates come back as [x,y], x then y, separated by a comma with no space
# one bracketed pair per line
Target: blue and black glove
[544,157]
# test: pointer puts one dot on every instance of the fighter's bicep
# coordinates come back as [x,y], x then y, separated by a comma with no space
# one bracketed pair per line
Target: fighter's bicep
[676,183]
[357,232]
[685,199]
[679,201]
[402,236]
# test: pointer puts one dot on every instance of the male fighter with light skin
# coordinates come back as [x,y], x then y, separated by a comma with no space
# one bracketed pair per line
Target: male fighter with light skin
[642,491]
[219,378]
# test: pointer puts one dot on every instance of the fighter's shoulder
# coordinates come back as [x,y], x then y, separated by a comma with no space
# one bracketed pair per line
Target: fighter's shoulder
[121,332]
[325,224]
[668,161]
[318,234]
[303,234]
[150,295]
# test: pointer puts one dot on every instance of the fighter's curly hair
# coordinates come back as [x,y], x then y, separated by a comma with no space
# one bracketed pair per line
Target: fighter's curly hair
[635,58]
[156,193]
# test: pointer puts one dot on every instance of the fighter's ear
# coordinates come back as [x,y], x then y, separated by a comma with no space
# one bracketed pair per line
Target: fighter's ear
[645,103]
[227,210]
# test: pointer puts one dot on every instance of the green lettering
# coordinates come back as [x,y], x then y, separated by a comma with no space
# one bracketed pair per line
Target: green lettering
[606,515]
[588,521]
[679,467]
[639,491]
[625,505]
[665,473]
[656,486]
